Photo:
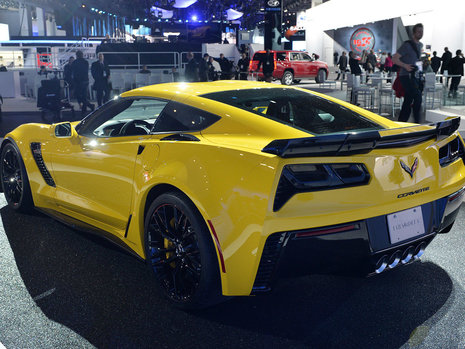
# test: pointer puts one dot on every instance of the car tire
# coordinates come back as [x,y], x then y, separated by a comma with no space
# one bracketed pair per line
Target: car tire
[180,252]
[15,182]
[321,77]
[288,78]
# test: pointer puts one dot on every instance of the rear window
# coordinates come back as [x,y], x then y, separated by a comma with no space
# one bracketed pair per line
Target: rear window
[296,108]
[259,56]
[281,56]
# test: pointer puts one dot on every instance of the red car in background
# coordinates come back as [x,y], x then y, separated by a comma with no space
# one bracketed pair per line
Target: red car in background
[292,66]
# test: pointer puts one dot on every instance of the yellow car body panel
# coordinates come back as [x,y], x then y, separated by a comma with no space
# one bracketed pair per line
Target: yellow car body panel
[226,175]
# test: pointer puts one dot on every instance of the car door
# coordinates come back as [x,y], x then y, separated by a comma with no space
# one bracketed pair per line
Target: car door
[310,68]
[296,64]
[94,170]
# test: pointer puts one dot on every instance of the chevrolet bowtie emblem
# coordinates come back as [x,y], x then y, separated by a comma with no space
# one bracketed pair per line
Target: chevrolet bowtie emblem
[410,170]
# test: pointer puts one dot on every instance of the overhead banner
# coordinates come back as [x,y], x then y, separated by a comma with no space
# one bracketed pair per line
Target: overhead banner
[273,20]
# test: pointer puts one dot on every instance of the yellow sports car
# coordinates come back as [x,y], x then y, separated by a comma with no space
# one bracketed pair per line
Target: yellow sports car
[223,187]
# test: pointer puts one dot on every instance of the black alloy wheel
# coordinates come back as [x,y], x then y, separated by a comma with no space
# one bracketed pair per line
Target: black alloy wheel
[180,251]
[15,183]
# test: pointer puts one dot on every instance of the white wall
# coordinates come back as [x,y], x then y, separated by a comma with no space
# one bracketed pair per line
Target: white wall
[4,33]
[443,21]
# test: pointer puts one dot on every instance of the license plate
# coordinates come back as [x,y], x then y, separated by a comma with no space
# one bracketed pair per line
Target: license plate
[405,224]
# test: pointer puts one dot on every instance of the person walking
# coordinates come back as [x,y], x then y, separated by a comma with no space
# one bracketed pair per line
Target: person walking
[80,69]
[407,57]
[354,65]
[101,74]
[243,64]
[203,68]
[456,68]
[356,71]
[371,62]
[435,62]
[342,66]
[267,61]
[192,69]
[445,59]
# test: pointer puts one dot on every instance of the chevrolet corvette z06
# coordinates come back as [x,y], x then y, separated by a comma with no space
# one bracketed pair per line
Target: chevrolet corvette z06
[223,187]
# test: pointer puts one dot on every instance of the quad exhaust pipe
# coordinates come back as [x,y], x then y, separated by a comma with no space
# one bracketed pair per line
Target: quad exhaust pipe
[411,253]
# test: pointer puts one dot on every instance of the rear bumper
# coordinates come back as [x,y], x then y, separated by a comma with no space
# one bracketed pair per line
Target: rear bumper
[356,248]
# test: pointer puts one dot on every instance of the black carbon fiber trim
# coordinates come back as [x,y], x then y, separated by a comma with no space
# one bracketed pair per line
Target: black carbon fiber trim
[37,154]
[268,262]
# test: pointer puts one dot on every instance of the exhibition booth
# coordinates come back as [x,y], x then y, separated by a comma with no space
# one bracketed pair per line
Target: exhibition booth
[330,26]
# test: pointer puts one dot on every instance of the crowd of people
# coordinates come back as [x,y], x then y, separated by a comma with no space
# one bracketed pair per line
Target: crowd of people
[210,68]
[405,63]
[76,74]
[410,64]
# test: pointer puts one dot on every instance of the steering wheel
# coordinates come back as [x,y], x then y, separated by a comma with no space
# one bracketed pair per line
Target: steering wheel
[136,123]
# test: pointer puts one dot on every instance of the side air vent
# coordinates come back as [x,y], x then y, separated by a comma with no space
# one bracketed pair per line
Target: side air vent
[266,269]
[37,154]
[451,152]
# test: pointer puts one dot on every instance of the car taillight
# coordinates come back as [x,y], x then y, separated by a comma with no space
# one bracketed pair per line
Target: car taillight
[300,178]
[451,152]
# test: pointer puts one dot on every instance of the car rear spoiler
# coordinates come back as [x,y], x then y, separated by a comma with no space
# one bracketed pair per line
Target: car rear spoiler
[358,142]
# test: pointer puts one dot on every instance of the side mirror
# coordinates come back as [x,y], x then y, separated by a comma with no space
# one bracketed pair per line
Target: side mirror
[64,130]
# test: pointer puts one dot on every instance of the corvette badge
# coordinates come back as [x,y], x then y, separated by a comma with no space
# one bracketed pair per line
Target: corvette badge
[410,170]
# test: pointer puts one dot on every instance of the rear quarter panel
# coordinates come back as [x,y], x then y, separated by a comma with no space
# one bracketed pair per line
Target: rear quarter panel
[231,187]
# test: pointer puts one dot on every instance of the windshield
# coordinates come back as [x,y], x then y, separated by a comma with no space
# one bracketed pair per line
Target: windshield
[296,108]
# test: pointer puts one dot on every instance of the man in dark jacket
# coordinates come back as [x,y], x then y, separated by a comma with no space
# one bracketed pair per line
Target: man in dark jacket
[243,65]
[354,65]
[355,70]
[192,69]
[225,65]
[80,69]
[435,62]
[267,60]
[68,74]
[203,68]
[456,68]
[101,74]
[445,58]
[342,66]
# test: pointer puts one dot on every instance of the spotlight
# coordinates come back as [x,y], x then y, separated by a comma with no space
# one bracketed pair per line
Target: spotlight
[194,18]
